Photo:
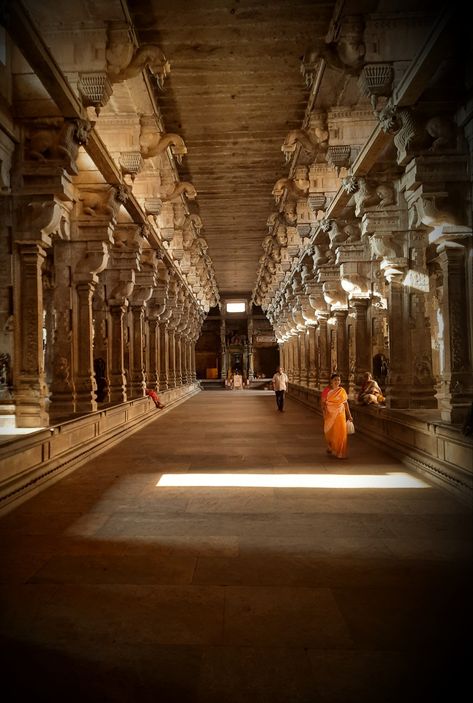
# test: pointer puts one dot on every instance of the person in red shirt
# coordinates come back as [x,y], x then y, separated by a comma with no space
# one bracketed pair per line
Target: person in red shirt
[155,398]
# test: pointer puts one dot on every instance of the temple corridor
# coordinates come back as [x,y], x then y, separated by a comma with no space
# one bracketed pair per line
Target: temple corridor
[353,586]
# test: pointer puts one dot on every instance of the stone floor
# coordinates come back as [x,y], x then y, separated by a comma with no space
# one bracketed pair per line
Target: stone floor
[116,589]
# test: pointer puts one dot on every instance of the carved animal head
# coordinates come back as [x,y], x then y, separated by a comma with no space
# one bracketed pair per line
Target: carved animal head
[388,119]
[82,129]
[350,184]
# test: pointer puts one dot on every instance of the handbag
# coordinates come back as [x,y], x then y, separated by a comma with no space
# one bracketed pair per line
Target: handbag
[350,427]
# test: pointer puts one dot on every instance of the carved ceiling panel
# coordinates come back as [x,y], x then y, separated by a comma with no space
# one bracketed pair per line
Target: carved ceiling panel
[234,92]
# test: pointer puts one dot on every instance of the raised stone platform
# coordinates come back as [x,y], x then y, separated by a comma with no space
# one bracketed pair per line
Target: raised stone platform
[30,461]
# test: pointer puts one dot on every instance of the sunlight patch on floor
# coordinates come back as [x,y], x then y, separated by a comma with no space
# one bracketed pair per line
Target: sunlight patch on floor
[390,480]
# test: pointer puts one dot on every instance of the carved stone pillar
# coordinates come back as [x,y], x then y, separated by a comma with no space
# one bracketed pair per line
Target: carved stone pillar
[283,356]
[397,392]
[184,357]
[117,356]
[190,347]
[84,378]
[38,219]
[30,386]
[60,334]
[172,357]
[341,344]
[421,381]
[302,341]
[324,350]
[289,344]
[90,259]
[360,360]
[92,226]
[456,380]
[312,357]
[251,360]
[163,355]
[179,355]
[137,371]
[102,327]
[152,371]
[192,359]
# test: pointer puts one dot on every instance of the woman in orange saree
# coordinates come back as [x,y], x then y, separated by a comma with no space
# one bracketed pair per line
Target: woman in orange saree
[336,412]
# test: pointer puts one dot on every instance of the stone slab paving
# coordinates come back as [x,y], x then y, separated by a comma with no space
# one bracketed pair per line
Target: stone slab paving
[113,588]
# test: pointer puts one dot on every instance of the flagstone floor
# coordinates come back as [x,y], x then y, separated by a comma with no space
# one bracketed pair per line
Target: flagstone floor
[284,576]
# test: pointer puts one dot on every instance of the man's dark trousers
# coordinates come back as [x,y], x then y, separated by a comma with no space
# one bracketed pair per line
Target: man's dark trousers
[280,400]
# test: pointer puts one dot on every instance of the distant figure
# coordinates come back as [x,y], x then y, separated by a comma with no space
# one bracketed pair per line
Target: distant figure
[280,381]
[370,392]
[237,381]
[336,412]
[154,397]
[100,378]
[380,370]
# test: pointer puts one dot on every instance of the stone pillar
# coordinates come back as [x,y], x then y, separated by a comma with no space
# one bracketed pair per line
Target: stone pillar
[172,358]
[302,339]
[360,360]
[223,350]
[90,259]
[117,357]
[179,342]
[283,358]
[153,356]
[102,327]
[31,392]
[84,378]
[190,360]
[342,344]
[324,350]
[312,357]
[184,357]
[455,389]
[397,390]
[422,382]
[137,371]
[163,356]
[251,360]
[60,335]
[290,358]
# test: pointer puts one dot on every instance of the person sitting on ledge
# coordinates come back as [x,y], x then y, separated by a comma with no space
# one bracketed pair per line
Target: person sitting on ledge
[370,393]
[155,398]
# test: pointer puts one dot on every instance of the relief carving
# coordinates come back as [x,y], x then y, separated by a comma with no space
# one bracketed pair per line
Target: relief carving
[310,143]
[58,140]
[368,195]
[103,203]
[412,133]
[346,54]
[181,188]
[126,61]
[153,144]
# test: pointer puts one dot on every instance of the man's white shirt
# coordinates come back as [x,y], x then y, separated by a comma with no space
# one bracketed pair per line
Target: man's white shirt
[280,381]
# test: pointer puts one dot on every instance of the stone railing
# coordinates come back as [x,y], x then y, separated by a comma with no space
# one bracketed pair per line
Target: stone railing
[30,463]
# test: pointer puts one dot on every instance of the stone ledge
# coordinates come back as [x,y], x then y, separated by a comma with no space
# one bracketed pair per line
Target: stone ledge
[30,463]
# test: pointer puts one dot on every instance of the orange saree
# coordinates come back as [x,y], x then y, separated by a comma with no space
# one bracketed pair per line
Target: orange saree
[335,424]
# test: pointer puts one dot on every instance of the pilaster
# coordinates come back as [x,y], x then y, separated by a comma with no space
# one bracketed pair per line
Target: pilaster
[455,389]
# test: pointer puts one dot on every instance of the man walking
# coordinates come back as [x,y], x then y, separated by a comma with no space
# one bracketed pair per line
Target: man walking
[280,381]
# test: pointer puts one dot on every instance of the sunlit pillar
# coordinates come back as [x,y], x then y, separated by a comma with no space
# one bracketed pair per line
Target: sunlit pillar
[30,386]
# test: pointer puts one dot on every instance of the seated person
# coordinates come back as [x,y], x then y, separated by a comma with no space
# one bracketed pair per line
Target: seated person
[155,398]
[370,393]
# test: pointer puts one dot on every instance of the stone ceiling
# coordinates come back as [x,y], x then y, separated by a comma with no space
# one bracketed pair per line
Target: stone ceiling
[234,92]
